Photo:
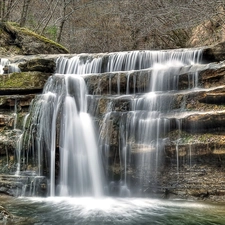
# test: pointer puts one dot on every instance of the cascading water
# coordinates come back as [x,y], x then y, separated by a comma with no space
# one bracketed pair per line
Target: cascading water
[62,123]
[3,63]
[63,106]
[7,67]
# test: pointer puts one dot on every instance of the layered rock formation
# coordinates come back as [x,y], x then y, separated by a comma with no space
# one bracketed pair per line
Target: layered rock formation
[193,155]
[193,164]
[17,91]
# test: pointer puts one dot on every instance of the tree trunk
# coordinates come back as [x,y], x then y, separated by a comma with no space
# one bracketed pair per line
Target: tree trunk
[8,10]
[2,9]
[60,30]
[50,17]
[63,19]
[23,19]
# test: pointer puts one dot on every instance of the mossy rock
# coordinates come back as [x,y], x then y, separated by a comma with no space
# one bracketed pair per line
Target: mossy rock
[19,40]
[20,82]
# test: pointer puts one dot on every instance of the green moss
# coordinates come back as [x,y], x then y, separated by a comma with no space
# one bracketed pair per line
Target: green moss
[23,80]
[14,24]
[26,31]
[52,32]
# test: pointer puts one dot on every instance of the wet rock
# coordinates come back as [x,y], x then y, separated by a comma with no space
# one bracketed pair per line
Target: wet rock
[200,193]
[220,192]
[38,64]
[5,216]
[23,185]
[10,101]
[131,82]
[205,121]
[214,53]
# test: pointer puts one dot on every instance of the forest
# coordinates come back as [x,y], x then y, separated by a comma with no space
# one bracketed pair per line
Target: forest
[120,25]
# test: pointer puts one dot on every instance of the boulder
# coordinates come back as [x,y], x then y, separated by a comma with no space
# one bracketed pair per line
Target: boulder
[19,40]
[214,53]
[38,64]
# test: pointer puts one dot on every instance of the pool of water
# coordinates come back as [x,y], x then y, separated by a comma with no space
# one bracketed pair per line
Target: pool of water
[129,211]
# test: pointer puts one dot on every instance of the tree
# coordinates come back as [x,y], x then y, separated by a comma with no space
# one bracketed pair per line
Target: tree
[24,12]
[6,7]
[115,25]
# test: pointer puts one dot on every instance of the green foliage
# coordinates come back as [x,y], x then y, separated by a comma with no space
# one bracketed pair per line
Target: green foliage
[51,32]
[31,20]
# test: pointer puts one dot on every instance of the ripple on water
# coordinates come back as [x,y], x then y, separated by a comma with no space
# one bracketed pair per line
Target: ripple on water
[109,211]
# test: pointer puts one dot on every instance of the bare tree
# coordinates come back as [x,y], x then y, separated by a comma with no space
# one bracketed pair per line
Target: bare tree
[24,12]
[114,25]
[2,9]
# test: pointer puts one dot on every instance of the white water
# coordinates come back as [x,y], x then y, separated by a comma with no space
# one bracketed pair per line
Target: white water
[141,130]
[126,211]
[3,63]
[60,120]
[11,68]
[19,145]
[78,147]
[63,121]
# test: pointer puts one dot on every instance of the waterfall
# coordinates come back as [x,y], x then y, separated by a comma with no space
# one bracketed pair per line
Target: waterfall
[3,63]
[63,133]
[60,121]
[7,67]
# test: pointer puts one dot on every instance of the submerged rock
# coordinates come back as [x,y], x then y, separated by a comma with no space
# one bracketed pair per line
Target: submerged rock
[5,216]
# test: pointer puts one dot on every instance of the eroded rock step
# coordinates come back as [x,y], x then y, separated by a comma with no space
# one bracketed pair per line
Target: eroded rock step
[8,140]
[24,185]
[130,82]
[126,82]
[7,120]
[9,101]
[206,121]
[198,176]
[13,109]
[189,121]
[191,100]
